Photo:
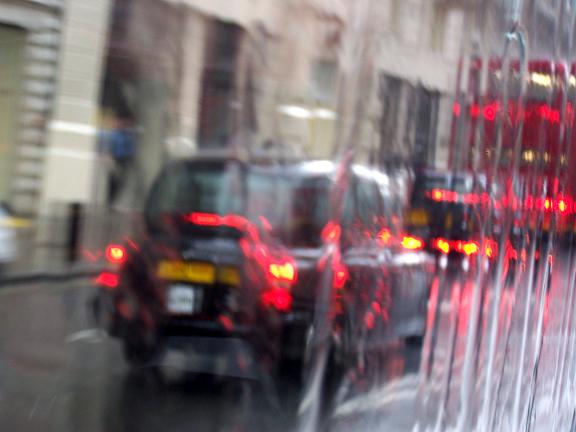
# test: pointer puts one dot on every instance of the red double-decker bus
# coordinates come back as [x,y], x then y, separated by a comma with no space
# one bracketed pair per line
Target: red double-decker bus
[530,133]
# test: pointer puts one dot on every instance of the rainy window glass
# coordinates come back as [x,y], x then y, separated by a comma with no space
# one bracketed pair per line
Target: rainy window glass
[288,215]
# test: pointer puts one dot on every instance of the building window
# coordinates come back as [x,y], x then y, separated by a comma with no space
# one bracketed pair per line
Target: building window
[324,81]
[409,122]
[219,85]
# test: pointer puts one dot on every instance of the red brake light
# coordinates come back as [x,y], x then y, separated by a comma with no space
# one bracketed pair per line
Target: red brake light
[470,248]
[385,236]
[278,298]
[205,219]
[437,195]
[286,271]
[490,248]
[115,254]
[442,245]
[340,276]
[331,232]
[563,206]
[412,243]
[108,280]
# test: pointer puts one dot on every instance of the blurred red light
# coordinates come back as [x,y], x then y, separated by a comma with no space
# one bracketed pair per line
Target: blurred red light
[385,236]
[470,248]
[108,280]
[456,109]
[554,116]
[474,111]
[341,275]
[412,243]
[286,271]
[331,232]
[115,254]
[205,219]
[437,195]
[442,245]
[490,112]
[490,248]
[278,298]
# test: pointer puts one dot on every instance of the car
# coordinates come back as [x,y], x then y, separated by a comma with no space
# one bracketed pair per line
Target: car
[7,237]
[202,278]
[379,278]
[446,210]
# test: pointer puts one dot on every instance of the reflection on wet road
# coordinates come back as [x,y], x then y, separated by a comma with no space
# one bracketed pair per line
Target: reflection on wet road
[57,373]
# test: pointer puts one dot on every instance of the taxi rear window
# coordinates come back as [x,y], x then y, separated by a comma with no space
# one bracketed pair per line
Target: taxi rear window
[207,188]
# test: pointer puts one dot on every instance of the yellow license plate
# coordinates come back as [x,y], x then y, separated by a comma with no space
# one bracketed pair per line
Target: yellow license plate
[187,271]
[419,217]
[229,276]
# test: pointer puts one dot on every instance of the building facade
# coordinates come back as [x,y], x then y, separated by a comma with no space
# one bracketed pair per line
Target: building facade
[30,36]
[49,73]
[304,77]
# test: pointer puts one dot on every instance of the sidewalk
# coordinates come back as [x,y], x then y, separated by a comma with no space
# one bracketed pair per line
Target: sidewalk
[43,248]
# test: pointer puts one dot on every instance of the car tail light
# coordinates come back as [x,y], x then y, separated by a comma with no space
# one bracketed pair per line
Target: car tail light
[331,232]
[285,271]
[467,247]
[442,245]
[412,243]
[563,205]
[442,195]
[385,236]
[108,280]
[115,254]
[470,248]
[490,248]
[205,219]
[341,276]
[277,298]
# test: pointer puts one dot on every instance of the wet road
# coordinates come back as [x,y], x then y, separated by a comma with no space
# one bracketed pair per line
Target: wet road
[59,373]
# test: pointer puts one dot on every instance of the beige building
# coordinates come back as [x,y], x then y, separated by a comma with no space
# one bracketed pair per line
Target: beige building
[194,75]
[30,35]
[308,77]
[50,64]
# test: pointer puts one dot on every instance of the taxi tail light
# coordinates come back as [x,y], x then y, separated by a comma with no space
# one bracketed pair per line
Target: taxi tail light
[205,219]
[283,272]
[115,254]
[412,243]
[277,298]
[107,280]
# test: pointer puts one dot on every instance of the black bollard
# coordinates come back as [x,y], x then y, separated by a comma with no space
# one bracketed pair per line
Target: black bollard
[74,216]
